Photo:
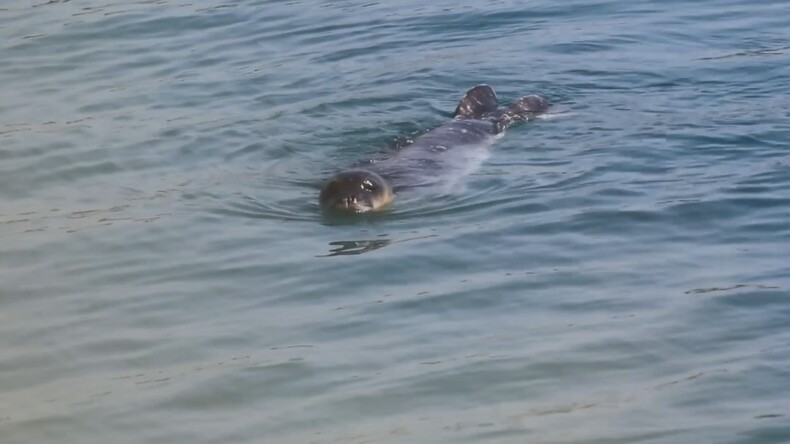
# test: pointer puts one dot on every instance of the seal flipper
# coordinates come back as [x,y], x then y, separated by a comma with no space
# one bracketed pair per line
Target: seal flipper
[523,109]
[528,107]
[477,102]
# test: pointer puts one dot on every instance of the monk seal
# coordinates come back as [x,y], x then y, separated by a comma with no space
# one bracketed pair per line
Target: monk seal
[477,122]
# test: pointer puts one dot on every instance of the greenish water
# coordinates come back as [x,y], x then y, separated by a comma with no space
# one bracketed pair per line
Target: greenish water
[618,274]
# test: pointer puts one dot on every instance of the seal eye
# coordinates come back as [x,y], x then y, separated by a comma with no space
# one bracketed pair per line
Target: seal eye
[367,185]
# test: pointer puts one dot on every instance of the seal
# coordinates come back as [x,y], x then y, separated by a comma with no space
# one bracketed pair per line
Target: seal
[453,147]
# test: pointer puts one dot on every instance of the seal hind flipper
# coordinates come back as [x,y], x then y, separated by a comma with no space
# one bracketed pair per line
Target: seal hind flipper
[523,109]
[528,106]
[477,102]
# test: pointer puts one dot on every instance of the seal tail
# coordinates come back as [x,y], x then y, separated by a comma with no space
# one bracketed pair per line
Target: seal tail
[522,110]
[477,101]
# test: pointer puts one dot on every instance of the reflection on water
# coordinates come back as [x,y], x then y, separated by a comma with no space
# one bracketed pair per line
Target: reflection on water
[344,248]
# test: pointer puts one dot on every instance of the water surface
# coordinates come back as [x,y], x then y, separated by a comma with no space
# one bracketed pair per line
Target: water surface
[617,275]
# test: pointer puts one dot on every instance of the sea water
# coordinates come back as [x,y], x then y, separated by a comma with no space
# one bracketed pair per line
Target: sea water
[617,275]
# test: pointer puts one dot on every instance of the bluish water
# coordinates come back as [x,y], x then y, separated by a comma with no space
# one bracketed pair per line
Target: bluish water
[615,275]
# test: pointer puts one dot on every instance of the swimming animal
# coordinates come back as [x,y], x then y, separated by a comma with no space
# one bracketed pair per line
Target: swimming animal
[463,141]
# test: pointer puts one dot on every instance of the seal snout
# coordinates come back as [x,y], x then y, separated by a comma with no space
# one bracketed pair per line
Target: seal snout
[350,201]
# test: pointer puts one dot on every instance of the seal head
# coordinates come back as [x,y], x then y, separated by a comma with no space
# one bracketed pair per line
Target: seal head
[356,191]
